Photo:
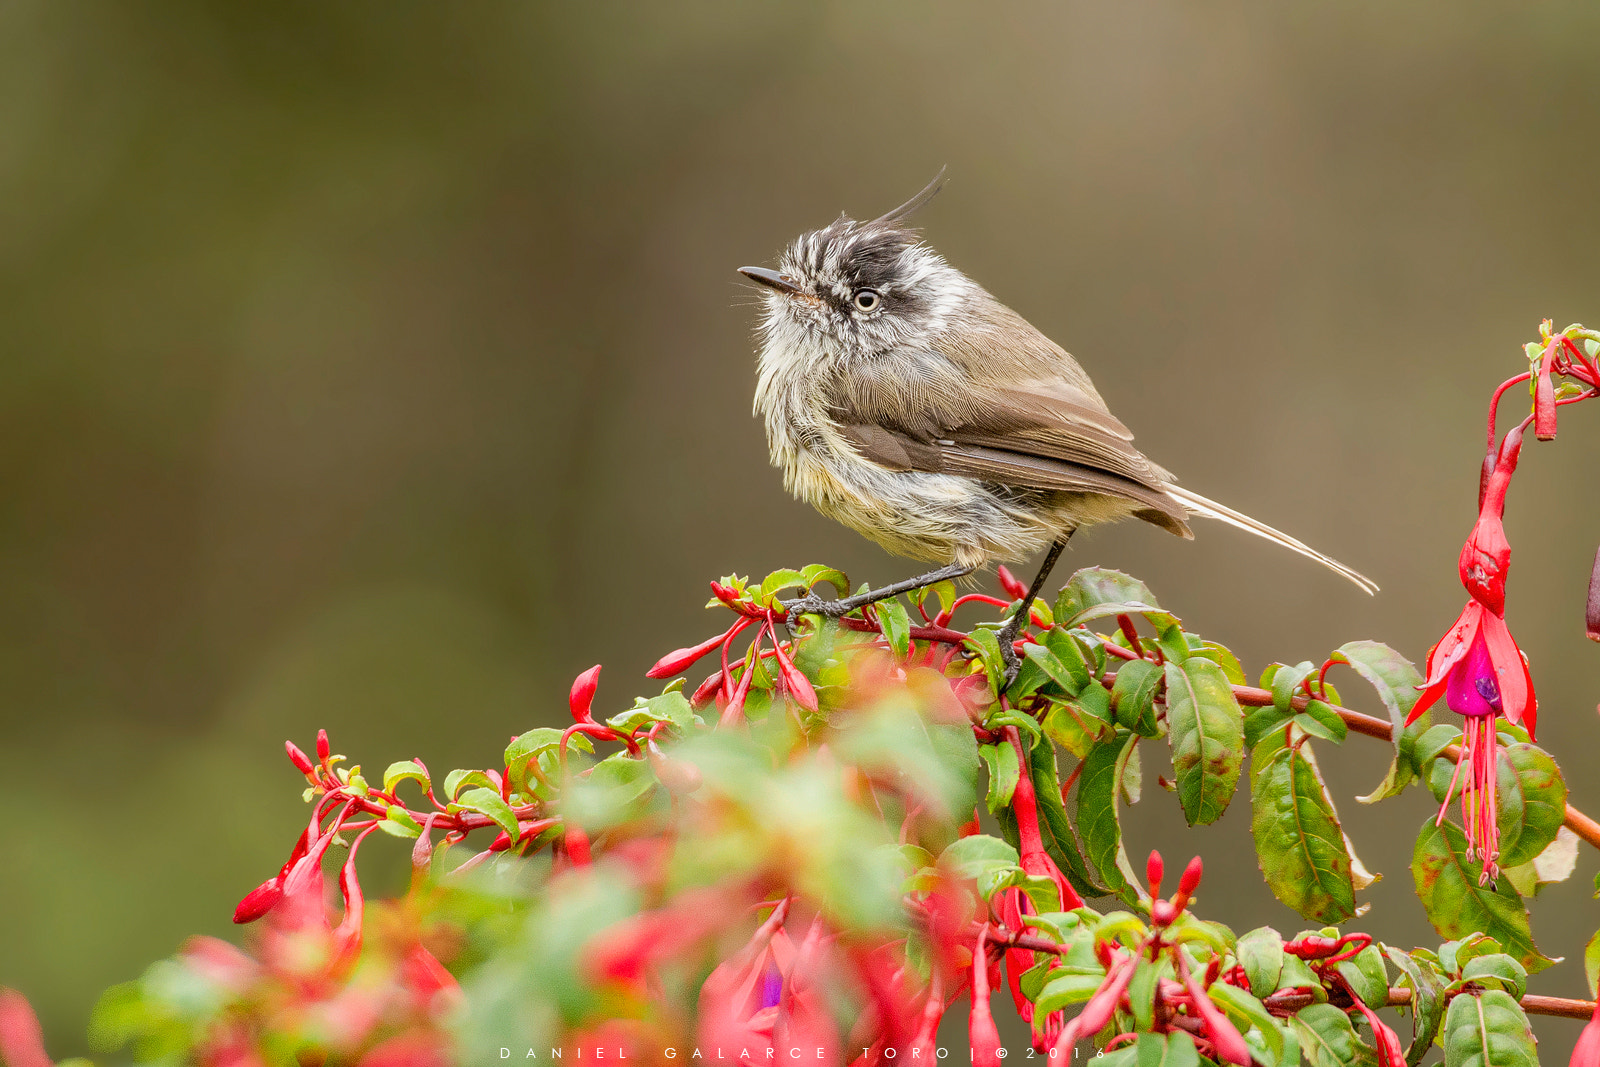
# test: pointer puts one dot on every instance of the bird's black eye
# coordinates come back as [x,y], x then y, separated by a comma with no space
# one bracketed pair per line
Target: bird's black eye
[868,299]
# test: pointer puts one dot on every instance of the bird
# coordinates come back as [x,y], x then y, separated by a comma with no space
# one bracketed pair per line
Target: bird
[903,400]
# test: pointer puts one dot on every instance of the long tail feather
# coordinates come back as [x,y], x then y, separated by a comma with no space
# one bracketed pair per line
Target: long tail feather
[1199,505]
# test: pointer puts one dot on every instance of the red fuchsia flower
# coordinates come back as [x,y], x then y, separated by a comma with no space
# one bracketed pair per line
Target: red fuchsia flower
[1586,1053]
[1478,668]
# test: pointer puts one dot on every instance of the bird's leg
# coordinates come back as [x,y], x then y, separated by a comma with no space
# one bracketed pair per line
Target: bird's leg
[1019,618]
[811,604]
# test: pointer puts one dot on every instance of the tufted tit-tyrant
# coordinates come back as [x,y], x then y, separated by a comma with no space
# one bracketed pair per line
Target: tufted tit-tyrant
[903,400]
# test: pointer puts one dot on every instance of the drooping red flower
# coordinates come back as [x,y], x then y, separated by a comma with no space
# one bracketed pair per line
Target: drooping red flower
[1478,668]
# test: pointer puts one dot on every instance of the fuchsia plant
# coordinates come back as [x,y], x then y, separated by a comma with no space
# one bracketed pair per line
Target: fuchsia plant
[843,832]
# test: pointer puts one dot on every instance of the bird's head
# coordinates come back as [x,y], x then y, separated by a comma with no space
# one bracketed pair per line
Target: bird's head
[862,288]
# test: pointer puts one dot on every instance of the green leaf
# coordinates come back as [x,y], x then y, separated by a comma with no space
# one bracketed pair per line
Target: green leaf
[1286,683]
[457,780]
[1064,990]
[1065,648]
[1174,1049]
[1207,738]
[1052,667]
[971,856]
[1366,974]
[1098,785]
[1320,720]
[1447,885]
[1073,730]
[988,648]
[402,770]
[1004,772]
[1328,1039]
[1223,657]
[1488,1030]
[488,802]
[777,582]
[1262,721]
[1591,963]
[1260,953]
[1533,803]
[1427,1000]
[1431,745]
[397,822]
[896,626]
[816,573]
[1395,678]
[1497,968]
[1133,696]
[1098,593]
[1300,846]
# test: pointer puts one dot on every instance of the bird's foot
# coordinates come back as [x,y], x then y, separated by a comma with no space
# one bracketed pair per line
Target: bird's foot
[811,604]
[1008,655]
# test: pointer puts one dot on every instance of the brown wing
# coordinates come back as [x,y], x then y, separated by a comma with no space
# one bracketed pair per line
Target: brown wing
[1038,433]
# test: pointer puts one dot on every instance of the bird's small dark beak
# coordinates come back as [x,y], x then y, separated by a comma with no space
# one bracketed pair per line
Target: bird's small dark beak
[771,279]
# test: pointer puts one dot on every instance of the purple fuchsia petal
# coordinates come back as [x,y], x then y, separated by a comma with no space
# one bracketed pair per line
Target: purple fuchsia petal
[1470,687]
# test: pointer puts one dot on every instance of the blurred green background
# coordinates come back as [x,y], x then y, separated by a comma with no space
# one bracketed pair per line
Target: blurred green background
[378,368]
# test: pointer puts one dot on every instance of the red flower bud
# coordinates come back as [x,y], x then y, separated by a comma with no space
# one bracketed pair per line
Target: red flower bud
[301,761]
[794,679]
[422,851]
[1485,559]
[1153,870]
[324,750]
[684,658]
[707,692]
[1544,398]
[21,1039]
[577,844]
[259,900]
[582,695]
[1008,581]
[1188,884]
[982,1035]
[680,778]
[1591,614]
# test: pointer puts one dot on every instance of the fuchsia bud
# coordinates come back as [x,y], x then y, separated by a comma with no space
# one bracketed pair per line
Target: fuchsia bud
[982,1035]
[582,696]
[1188,884]
[324,750]
[684,658]
[1544,398]
[707,692]
[794,679]
[301,761]
[577,844]
[21,1038]
[1008,581]
[1591,615]
[1153,870]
